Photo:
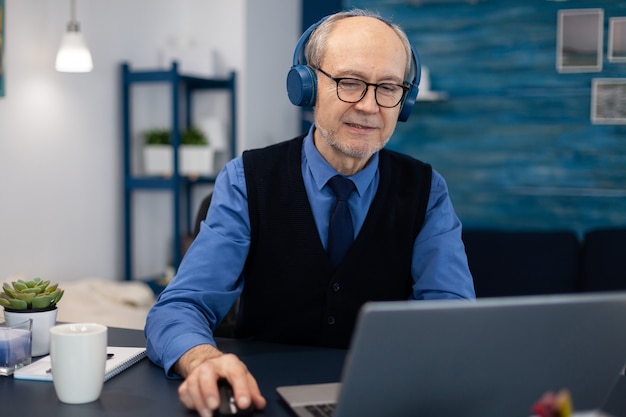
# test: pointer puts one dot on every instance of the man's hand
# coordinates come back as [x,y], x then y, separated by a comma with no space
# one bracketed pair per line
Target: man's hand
[201,367]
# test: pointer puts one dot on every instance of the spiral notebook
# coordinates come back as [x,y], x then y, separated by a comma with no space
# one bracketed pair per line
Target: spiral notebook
[122,358]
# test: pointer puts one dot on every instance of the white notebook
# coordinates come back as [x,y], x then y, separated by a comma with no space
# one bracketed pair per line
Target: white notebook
[123,358]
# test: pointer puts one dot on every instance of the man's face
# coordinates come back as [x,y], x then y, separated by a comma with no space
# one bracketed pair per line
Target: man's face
[367,49]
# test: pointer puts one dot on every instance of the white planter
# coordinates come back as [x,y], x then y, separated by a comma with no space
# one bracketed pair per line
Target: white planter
[214,129]
[194,160]
[157,160]
[42,322]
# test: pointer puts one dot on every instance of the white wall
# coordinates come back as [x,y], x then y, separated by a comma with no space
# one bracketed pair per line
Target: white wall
[60,145]
[269,58]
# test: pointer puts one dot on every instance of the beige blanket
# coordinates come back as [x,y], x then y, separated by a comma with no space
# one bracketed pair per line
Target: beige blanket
[112,303]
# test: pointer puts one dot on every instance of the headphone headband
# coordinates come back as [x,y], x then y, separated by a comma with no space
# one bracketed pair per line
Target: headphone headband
[298,53]
[302,80]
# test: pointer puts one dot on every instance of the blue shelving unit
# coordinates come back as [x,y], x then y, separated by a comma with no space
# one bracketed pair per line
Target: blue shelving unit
[182,88]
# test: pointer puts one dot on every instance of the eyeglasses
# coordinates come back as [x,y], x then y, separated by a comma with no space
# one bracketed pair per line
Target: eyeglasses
[352,90]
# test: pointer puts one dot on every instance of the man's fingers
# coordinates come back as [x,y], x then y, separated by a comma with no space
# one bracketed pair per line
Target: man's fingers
[257,398]
[199,391]
[241,390]
[208,388]
[246,390]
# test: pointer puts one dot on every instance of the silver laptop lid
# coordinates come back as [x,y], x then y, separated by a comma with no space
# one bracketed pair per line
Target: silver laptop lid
[489,358]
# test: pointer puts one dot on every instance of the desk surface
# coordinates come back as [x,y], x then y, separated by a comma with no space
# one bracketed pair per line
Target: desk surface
[143,390]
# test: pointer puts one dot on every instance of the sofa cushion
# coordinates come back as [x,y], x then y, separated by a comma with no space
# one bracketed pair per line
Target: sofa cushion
[510,263]
[603,263]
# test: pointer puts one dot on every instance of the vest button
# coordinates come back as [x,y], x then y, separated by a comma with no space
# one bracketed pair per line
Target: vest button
[331,320]
[336,286]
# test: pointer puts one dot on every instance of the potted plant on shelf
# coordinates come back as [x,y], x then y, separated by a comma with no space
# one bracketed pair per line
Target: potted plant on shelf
[196,157]
[37,300]
[157,152]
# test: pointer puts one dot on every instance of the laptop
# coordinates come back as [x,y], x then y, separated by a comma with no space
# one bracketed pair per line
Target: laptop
[493,357]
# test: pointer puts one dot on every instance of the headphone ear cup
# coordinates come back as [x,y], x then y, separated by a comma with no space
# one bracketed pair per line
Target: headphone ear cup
[302,86]
[408,103]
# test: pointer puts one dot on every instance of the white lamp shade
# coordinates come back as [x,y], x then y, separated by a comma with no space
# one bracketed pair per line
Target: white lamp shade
[73,55]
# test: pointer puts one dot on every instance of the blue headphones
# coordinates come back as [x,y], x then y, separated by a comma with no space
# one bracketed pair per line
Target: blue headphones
[302,80]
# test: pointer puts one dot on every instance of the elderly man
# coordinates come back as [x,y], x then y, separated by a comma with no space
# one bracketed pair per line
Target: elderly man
[305,231]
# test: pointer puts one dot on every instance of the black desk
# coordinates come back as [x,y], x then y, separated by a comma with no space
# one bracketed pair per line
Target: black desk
[143,390]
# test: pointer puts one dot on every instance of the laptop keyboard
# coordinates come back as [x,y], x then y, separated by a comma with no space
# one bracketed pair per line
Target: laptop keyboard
[321,410]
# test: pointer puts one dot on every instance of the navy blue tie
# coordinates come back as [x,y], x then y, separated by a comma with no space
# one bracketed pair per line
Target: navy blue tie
[340,229]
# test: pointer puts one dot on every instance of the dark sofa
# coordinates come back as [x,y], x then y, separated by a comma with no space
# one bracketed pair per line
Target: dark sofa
[510,263]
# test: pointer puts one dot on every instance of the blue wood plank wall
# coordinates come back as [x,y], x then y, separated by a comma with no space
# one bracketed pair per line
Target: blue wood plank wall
[514,138]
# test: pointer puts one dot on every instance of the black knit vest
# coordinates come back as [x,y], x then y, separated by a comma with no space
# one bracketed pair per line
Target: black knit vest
[291,292]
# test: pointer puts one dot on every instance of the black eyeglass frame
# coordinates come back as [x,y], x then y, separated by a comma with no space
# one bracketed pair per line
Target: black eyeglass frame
[337,80]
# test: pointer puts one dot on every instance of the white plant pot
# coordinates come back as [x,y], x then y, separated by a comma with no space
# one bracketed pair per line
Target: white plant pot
[42,322]
[214,129]
[194,160]
[157,160]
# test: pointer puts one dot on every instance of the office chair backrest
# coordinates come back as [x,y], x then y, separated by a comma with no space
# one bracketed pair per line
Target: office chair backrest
[604,260]
[201,215]
[227,326]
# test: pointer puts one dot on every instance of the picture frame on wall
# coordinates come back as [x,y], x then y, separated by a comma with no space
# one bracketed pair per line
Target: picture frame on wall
[617,39]
[608,101]
[2,43]
[580,34]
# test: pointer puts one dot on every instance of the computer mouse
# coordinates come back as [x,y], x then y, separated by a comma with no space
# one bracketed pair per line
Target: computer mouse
[228,406]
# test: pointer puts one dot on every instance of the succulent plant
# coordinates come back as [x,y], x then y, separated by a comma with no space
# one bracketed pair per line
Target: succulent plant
[157,136]
[193,136]
[162,136]
[33,295]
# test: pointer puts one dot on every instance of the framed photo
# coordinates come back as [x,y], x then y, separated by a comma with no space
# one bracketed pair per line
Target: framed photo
[608,101]
[2,13]
[617,39]
[579,40]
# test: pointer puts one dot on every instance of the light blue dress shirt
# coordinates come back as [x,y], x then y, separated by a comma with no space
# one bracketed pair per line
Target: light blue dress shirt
[209,279]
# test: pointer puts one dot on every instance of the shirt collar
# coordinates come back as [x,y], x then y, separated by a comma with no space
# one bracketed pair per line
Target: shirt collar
[322,171]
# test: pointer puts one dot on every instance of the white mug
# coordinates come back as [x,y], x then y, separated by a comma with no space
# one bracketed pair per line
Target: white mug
[78,357]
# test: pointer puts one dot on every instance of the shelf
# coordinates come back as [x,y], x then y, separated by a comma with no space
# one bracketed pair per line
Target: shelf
[432,96]
[147,183]
[425,92]
[182,89]
[173,75]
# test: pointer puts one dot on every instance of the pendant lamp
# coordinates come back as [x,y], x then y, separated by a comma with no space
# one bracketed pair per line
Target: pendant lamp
[73,55]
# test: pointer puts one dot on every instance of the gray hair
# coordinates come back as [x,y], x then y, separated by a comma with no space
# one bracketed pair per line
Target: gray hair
[316,45]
